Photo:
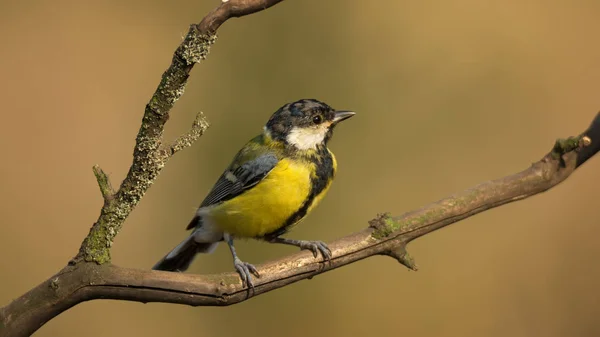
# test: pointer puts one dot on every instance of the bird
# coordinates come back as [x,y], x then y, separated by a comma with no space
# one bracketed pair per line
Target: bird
[273,182]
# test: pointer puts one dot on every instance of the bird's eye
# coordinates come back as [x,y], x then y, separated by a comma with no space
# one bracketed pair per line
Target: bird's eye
[318,119]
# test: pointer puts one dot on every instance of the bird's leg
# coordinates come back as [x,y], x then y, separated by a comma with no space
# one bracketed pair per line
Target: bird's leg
[315,247]
[245,269]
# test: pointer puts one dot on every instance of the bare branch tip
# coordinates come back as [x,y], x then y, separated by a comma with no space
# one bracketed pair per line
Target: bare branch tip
[402,256]
[199,126]
[103,182]
[200,122]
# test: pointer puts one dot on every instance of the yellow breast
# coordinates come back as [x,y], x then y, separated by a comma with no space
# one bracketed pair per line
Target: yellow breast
[266,207]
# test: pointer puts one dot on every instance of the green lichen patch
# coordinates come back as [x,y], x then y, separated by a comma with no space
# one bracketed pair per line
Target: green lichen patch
[563,146]
[96,246]
[384,225]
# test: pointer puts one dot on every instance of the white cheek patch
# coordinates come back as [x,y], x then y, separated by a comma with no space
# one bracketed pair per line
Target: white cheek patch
[266,132]
[306,138]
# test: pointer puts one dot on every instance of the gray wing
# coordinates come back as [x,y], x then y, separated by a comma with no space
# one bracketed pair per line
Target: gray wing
[237,179]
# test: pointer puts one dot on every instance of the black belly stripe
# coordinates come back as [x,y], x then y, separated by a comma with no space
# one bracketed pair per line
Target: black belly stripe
[323,174]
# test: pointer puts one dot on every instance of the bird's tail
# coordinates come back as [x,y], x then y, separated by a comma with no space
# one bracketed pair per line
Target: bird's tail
[180,258]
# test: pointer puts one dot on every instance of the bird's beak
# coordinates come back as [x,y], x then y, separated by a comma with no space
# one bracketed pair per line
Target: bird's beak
[341,115]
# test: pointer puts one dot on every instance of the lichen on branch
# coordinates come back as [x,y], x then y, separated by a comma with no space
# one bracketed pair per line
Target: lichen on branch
[149,155]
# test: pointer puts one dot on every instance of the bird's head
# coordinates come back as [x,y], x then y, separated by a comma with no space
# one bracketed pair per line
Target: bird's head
[304,124]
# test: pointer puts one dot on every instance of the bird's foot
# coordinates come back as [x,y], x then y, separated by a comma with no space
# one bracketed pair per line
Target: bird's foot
[246,270]
[316,247]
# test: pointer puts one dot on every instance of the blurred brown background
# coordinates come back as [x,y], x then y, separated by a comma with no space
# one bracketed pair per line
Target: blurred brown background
[449,93]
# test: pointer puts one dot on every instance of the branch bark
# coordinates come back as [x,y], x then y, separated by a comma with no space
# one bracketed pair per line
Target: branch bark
[89,276]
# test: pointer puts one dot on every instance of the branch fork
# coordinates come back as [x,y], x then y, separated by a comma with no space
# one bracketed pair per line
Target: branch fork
[199,126]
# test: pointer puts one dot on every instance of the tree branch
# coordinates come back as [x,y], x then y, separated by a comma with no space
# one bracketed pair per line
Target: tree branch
[386,235]
[150,155]
[89,277]
[233,9]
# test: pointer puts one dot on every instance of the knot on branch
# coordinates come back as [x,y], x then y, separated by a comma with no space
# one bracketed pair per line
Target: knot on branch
[54,284]
[383,226]
[402,256]
[195,46]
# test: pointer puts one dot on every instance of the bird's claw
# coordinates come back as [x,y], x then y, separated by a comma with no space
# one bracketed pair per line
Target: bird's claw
[317,247]
[246,270]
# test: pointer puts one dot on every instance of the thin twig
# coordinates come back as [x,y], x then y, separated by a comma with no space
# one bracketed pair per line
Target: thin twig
[106,188]
[186,140]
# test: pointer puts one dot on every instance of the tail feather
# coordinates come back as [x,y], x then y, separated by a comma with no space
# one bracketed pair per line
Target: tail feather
[180,258]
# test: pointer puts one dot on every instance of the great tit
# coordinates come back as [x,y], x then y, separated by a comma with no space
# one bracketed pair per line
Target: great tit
[273,182]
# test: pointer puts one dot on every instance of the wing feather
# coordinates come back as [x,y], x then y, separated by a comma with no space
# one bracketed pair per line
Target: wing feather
[233,182]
